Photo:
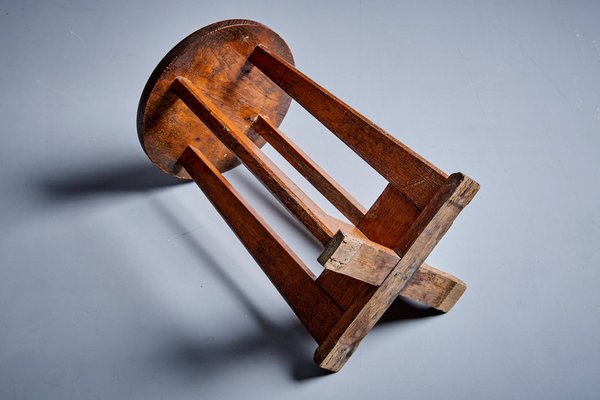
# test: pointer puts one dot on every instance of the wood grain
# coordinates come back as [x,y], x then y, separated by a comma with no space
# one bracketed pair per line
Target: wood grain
[435,288]
[217,97]
[389,218]
[411,174]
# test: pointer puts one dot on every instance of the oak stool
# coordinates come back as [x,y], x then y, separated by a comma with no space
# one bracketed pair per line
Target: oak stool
[217,97]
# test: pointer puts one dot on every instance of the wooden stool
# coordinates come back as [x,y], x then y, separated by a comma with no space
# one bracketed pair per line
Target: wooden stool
[217,97]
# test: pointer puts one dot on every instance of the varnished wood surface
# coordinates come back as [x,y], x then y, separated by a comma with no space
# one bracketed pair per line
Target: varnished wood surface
[214,59]
[412,175]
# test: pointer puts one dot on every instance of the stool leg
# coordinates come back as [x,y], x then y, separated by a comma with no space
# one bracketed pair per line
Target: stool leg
[286,271]
[412,174]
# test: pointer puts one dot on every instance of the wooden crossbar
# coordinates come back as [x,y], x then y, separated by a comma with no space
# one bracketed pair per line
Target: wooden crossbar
[422,237]
[326,185]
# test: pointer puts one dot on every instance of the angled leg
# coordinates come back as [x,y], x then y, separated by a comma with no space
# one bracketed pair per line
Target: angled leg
[355,322]
[414,176]
[286,271]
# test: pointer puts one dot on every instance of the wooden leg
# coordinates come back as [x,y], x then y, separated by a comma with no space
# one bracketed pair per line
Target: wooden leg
[414,176]
[286,271]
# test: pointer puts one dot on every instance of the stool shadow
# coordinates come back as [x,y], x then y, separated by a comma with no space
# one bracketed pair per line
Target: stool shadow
[288,341]
[108,179]
[403,309]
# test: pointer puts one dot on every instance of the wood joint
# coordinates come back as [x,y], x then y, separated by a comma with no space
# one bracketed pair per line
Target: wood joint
[358,257]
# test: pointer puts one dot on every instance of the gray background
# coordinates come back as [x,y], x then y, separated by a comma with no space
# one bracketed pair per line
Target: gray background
[118,283]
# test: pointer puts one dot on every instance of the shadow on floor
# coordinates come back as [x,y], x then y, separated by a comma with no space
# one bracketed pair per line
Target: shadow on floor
[403,309]
[290,343]
[122,178]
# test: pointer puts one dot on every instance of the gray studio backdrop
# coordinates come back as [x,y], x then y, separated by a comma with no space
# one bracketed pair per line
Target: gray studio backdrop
[116,282]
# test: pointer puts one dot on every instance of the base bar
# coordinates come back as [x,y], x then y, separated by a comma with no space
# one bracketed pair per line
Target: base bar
[433,222]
